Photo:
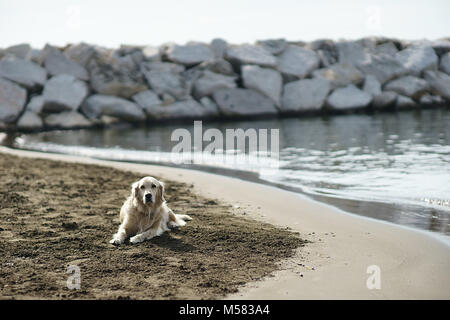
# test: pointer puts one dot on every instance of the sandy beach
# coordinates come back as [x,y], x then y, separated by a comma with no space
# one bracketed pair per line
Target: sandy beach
[57,214]
[331,265]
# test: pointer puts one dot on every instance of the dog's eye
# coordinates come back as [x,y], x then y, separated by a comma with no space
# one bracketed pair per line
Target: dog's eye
[153,186]
[142,187]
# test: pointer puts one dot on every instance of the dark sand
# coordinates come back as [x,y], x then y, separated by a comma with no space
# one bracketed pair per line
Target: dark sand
[56,214]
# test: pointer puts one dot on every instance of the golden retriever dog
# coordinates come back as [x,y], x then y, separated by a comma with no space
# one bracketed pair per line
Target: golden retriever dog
[145,214]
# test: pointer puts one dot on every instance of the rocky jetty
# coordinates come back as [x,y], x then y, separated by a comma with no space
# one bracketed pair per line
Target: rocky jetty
[83,85]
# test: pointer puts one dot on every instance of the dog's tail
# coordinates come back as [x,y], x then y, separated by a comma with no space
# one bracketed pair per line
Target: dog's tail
[178,220]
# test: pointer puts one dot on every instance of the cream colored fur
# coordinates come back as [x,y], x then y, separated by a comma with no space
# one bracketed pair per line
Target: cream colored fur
[145,214]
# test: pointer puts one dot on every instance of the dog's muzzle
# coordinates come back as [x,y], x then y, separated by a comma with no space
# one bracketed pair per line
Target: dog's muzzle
[148,198]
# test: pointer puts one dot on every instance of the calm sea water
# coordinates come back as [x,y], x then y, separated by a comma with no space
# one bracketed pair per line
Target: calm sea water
[390,166]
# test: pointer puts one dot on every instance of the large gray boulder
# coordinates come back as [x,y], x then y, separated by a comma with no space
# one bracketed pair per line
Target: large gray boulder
[305,95]
[151,53]
[63,92]
[340,75]
[167,82]
[326,50]
[81,53]
[326,59]
[128,57]
[409,86]
[190,76]
[167,78]
[266,81]
[383,67]
[123,61]
[21,51]
[387,48]
[371,85]
[38,56]
[36,104]
[445,63]
[429,99]
[12,101]
[297,62]
[440,46]
[57,63]
[67,120]
[147,99]
[110,79]
[218,47]
[99,105]
[208,103]
[369,43]
[161,66]
[35,55]
[218,66]
[167,99]
[23,72]
[348,98]
[352,52]
[29,121]
[251,54]
[384,99]
[417,59]
[189,54]
[403,102]
[243,102]
[439,83]
[210,82]
[187,109]
[274,46]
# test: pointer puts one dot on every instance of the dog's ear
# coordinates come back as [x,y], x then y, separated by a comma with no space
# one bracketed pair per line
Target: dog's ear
[161,190]
[134,188]
[134,192]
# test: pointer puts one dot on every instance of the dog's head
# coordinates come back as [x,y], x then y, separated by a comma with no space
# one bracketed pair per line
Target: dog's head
[148,191]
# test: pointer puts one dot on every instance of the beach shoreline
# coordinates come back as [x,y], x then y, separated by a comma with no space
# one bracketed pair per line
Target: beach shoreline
[334,265]
[57,217]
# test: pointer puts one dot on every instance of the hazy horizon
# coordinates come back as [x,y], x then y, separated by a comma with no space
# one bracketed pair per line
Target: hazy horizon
[155,22]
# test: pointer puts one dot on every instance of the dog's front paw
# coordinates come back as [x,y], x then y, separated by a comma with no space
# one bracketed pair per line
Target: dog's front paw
[172,225]
[136,239]
[115,242]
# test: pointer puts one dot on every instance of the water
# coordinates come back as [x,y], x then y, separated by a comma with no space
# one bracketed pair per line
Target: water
[390,166]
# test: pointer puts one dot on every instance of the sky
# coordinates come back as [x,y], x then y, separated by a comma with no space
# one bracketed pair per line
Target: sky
[138,22]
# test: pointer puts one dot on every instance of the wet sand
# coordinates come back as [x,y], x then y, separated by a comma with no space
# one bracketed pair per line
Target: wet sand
[333,264]
[54,214]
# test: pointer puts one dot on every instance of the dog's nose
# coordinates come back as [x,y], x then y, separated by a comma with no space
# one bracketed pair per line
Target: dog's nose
[148,197]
